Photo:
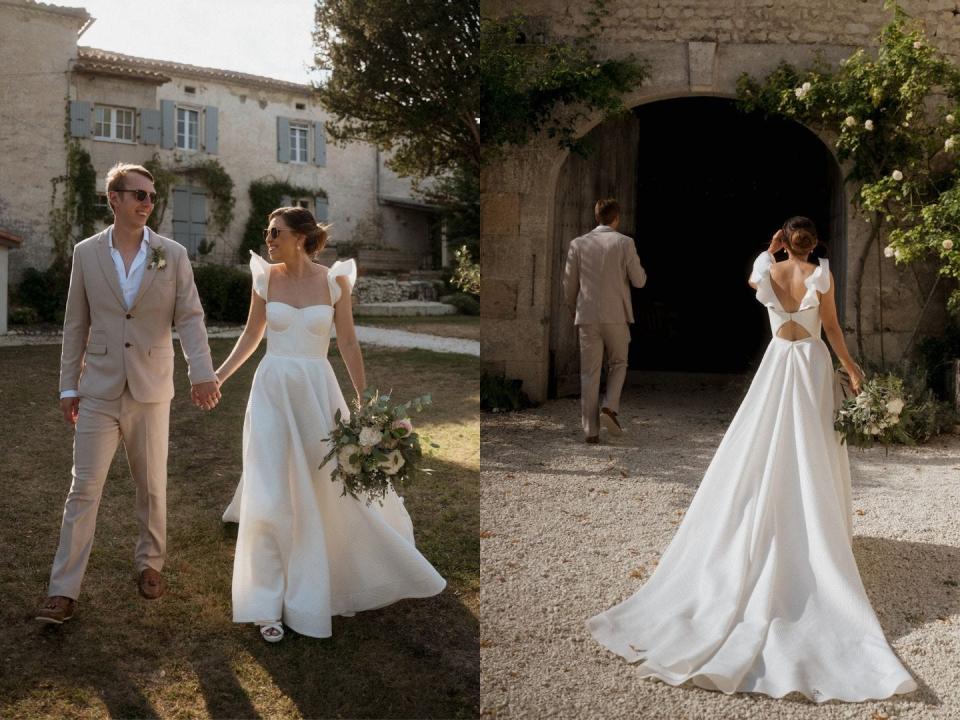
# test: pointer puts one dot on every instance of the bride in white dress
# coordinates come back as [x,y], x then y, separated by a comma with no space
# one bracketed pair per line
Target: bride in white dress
[304,552]
[759,591]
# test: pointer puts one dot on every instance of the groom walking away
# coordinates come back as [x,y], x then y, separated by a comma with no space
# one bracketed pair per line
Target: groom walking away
[601,266]
[127,286]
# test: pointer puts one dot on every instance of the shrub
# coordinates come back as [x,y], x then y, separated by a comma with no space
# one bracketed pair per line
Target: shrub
[463,302]
[24,316]
[224,292]
[44,292]
[499,394]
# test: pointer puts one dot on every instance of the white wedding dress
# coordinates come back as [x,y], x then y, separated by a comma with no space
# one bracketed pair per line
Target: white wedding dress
[759,591]
[304,552]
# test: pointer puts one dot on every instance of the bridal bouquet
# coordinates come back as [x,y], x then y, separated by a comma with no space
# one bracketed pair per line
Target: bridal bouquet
[377,448]
[874,416]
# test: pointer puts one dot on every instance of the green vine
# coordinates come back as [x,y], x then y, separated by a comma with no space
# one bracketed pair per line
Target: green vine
[75,217]
[267,195]
[209,173]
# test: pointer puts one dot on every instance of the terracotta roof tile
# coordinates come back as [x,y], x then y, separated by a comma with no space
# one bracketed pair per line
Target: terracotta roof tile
[88,57]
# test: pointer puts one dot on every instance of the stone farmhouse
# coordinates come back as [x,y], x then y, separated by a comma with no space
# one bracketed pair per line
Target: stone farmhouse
[702,188]
[118,107]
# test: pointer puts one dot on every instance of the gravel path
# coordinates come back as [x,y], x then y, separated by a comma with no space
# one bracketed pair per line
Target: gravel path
[366,334]
[569,529]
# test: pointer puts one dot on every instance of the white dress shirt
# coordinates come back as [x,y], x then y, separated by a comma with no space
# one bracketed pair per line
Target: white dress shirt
[129,281]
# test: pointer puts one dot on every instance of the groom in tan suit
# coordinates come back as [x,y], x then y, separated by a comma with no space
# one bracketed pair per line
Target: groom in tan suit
[128,285]
[601,266]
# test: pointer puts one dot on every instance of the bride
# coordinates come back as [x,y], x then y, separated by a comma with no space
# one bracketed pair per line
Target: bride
[759,590]
[304,552]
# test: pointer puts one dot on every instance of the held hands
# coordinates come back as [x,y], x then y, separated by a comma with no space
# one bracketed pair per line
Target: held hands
[206,395]
[70,407]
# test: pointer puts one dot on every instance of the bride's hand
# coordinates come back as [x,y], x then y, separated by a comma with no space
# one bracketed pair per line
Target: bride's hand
[856,378]
[776,242]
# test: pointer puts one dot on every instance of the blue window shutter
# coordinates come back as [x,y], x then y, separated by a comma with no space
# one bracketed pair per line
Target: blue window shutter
[168,123]
[283,140]
[211,131]
[320,144]
[81,113]
[321,208]
[150,126]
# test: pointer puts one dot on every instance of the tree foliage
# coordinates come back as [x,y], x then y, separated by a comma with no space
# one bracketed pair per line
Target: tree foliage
[403,76]
[534,85]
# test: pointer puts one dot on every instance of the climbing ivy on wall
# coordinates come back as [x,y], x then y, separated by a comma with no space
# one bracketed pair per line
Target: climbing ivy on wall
[74,216]
[267,195]
[209,173]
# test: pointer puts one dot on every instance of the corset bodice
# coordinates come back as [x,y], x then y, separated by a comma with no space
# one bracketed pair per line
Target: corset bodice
[298,332]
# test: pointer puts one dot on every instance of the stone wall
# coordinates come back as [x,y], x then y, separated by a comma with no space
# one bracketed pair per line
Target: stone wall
[694,49]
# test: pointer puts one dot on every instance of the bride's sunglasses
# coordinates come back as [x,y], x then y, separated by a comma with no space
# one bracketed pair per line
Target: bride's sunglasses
[271,233]
[142,195]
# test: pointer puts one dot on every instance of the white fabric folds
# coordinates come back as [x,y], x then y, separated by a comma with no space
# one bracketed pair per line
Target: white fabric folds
[759,590]
[304,552]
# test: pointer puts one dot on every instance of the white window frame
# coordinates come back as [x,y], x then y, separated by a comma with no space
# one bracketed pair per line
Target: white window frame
[306,203]
[111,115]
[185,136]
[299,130]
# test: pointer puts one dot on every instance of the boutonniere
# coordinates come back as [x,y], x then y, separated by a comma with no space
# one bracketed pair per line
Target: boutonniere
[158,260]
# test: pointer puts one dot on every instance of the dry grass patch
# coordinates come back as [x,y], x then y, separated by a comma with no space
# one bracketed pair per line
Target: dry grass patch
[466,327]
[182,656]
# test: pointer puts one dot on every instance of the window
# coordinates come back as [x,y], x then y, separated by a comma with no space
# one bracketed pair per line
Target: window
[188,128]
[298,143]
[303,202]
[112,123]
[102,205]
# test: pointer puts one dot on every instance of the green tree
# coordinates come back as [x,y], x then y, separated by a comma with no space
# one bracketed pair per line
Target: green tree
[538,85]
[403,76]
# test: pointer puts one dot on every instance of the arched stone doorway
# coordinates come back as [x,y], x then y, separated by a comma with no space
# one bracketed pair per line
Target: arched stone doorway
[702,187]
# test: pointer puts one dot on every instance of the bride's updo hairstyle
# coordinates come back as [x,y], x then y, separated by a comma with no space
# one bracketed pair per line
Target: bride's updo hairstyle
[301,221]
[800,235]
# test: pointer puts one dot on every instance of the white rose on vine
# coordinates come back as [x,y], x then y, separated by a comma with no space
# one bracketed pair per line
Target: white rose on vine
[897,175]
[888,251]
[949,143]
[949,119]
[947,244]
[868,125]
[850,121]
[917,45]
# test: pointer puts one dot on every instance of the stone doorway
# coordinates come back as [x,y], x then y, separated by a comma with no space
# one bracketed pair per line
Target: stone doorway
[703,187]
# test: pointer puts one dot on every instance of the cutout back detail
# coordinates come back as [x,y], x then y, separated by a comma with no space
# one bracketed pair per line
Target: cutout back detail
[792,330]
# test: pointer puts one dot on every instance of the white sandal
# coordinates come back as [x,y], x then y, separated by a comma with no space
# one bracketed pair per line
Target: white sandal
[271,632]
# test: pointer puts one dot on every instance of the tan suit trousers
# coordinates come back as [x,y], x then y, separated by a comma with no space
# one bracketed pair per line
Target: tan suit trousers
[614,338]
[101,424]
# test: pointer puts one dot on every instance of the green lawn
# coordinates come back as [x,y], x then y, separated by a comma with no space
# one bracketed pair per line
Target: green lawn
[455,326]
[182,656]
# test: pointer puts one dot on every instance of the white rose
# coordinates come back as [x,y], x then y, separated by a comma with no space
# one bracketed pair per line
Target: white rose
[895,406]
[949,143]
[917,45]
[800,93]
[806,87]
[343,459]
[370,436]
[868,124]
[948,244]
[850,121]
[888,251]
[949,119]
[393,462]
[897,175]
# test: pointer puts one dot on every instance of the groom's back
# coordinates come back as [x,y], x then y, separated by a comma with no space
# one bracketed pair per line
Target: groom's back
[600,267]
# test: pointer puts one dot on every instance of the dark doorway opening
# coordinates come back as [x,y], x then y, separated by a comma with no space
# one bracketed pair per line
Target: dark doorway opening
[713,184]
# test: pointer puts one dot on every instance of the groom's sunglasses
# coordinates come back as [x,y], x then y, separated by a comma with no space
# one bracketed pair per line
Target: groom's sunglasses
[142,195]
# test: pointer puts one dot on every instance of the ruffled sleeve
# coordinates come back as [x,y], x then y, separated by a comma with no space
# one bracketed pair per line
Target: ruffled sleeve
[761,267]
[341,268]
[819,279]
[260,269]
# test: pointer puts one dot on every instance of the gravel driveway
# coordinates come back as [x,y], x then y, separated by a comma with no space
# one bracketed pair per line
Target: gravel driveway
[569,529]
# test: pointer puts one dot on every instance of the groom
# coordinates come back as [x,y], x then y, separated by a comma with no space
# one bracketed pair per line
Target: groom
[601,266]
[127,287]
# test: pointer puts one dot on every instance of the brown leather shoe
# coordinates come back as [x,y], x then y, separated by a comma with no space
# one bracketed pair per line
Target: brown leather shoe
[56,610]
[593,439]
[151,584]
[608,418]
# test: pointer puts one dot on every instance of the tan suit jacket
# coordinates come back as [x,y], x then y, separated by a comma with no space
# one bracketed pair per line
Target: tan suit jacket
[107,346]
[601,266]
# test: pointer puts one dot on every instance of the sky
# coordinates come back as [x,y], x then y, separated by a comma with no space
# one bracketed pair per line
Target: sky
[263,37]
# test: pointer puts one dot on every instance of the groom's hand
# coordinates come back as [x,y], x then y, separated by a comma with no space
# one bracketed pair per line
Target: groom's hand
[205,395]
[70,407]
